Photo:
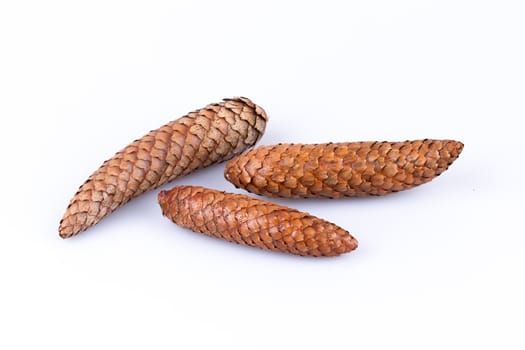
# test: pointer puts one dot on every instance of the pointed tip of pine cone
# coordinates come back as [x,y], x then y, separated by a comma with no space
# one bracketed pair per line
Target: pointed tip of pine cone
[459,146]
[454,148]
[351,243]
[75,221]
[62,234]
[66,230]
[345,243]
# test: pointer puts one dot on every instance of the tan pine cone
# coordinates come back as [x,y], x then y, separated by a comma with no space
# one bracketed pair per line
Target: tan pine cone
[206,136]
[250,221]
[335,170]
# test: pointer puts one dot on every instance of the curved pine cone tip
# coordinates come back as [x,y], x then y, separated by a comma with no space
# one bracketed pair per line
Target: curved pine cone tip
[335,170]
[249,221]
[213,134]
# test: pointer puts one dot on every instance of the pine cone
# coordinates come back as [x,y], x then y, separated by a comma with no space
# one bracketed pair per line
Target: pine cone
[207,136]
[335,170]
[250,221]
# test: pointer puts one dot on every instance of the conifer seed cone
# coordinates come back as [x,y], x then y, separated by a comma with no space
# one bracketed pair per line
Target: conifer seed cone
[201,138]
[335,170]
[250,221]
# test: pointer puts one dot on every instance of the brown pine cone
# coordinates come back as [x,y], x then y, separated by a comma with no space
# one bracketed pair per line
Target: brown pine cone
[336,170]
[250,221]
[209,135]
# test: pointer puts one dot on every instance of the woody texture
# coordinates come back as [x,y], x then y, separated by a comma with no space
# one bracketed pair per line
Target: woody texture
[253,222]
[201,138]
[335,170]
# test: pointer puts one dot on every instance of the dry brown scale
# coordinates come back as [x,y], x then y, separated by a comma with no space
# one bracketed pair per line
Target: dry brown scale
[250,221]
[209,135]
[335,170]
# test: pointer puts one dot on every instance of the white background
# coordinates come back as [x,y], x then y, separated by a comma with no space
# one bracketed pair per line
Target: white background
[438,267]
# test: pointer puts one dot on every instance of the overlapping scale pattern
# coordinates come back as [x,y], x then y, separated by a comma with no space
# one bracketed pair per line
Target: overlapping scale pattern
[253,222]
[335,170]
[206,136]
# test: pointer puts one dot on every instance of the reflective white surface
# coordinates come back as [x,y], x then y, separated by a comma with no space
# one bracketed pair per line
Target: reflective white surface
[440,266]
